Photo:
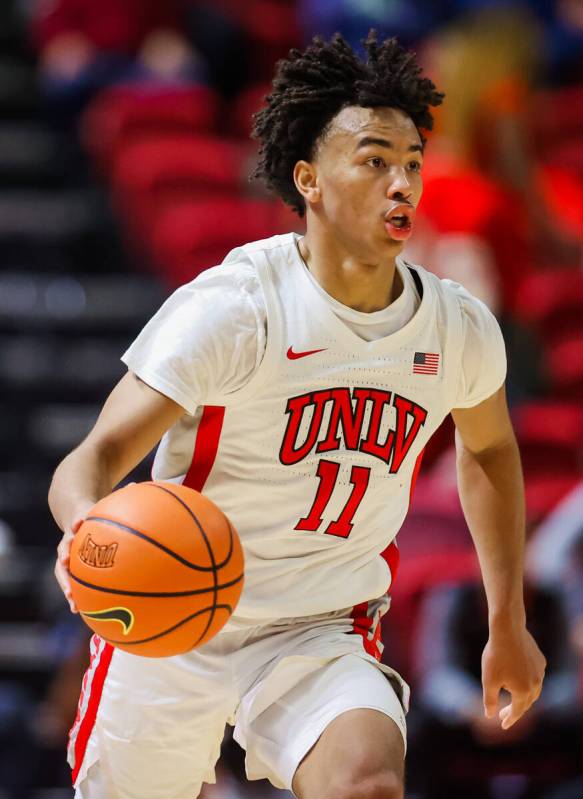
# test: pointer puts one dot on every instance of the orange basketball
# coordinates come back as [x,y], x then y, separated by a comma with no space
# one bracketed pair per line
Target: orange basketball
[156,569]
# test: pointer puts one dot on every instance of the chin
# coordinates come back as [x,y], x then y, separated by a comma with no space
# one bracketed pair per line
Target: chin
[392,245]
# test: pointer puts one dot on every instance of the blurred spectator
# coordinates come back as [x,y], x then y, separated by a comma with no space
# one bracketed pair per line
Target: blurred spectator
[487,64]
[561,27]
[85,45]
[458,745]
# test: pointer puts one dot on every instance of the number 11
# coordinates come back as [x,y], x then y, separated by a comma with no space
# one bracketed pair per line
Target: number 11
[328,472]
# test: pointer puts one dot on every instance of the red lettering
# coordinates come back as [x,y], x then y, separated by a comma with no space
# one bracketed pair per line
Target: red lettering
[404,440]
[371,445]
[289,453]
[327,472]
[359,477]
[343,414]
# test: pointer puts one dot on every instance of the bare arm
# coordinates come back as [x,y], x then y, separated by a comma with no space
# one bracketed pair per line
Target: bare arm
[132,421]
[492,495]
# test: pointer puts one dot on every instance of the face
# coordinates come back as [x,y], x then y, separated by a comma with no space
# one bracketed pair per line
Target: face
[366,180]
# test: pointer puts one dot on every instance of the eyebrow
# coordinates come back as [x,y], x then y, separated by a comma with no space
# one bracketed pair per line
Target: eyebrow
[368,140]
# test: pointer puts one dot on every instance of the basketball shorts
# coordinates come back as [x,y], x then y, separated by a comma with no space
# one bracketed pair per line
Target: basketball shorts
[152,728]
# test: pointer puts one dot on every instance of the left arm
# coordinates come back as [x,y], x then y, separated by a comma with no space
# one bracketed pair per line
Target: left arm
[492,495]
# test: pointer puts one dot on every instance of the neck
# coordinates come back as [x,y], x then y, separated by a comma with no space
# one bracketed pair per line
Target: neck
[365,285]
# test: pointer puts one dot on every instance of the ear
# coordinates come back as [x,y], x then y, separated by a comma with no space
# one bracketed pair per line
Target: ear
[306,180]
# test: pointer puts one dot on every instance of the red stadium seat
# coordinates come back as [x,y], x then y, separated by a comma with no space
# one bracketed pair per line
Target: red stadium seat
[543,492]
[271,27]
[122,112]
[192,236]
[567,154]
[550,436]
[557,114]
[552,300]
[561,184]
[463,201]
[549,421]
[435,547]
[151,173]
[247,103]
[565,366]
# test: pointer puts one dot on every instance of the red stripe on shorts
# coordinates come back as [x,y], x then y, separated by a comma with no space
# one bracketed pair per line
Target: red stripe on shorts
[99,666]
[206,446]
[362,625]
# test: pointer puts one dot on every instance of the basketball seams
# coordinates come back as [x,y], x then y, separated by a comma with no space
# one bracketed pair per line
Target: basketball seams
[231,545]
[122,592]
[149,540]
[208,546]
[210,608]
[165,527]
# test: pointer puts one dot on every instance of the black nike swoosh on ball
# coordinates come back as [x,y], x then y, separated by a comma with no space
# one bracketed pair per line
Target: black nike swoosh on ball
[124,616]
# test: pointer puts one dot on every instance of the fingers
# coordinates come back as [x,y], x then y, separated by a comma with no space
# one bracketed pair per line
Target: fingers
[63,579]
[491,693]
[510,714]
[520,703]
[62,569]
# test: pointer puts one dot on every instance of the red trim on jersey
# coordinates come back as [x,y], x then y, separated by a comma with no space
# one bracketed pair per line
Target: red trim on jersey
[86,723]
[415,475]
[205,446]
[392,557]
[362,625]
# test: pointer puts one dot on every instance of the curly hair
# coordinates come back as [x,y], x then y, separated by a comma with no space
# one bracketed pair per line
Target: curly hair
[310,87]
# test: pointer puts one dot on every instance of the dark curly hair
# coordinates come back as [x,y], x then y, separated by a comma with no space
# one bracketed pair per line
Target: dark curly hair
[311,86]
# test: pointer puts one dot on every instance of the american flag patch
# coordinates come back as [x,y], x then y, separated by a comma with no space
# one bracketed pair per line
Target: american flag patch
[425,363]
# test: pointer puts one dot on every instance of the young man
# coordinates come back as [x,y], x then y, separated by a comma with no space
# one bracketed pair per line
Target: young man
[306,375]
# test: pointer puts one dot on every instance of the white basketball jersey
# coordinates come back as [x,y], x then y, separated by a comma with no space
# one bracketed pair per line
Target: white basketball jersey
[314,459]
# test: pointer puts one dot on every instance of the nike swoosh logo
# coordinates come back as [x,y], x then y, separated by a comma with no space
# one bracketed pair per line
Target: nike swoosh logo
[293,355]
[122,615]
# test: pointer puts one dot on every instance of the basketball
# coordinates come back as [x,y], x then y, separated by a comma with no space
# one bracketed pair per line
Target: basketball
[156,569]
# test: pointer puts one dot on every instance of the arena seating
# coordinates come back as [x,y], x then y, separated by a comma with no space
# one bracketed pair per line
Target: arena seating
[121,113]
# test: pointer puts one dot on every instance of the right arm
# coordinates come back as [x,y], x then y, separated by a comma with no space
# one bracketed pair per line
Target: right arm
[132,421]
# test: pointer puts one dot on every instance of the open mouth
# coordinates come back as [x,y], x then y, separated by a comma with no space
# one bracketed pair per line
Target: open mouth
[399,222]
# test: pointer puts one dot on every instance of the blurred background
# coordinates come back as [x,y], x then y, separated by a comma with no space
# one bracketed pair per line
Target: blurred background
[124,171]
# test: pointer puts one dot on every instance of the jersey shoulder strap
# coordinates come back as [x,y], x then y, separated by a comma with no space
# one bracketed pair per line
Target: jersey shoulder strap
[417,280]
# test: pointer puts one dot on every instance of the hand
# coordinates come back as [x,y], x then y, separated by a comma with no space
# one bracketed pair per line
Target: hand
[511,661]
[63,552]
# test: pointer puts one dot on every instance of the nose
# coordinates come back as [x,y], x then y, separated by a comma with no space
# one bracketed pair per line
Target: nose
[399,187]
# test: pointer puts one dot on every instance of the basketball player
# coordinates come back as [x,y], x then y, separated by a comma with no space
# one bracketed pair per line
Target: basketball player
[306,374]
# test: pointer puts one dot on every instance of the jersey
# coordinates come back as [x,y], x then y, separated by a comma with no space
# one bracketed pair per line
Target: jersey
[313,454]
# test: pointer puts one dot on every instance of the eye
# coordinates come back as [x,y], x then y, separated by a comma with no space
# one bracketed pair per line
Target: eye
[415,166]
[376,162]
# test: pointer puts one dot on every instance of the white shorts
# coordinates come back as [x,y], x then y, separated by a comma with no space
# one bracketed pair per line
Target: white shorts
[152,728]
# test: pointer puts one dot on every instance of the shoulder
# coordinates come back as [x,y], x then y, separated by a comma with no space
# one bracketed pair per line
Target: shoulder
[448,291]
[232,289]
[238,276]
